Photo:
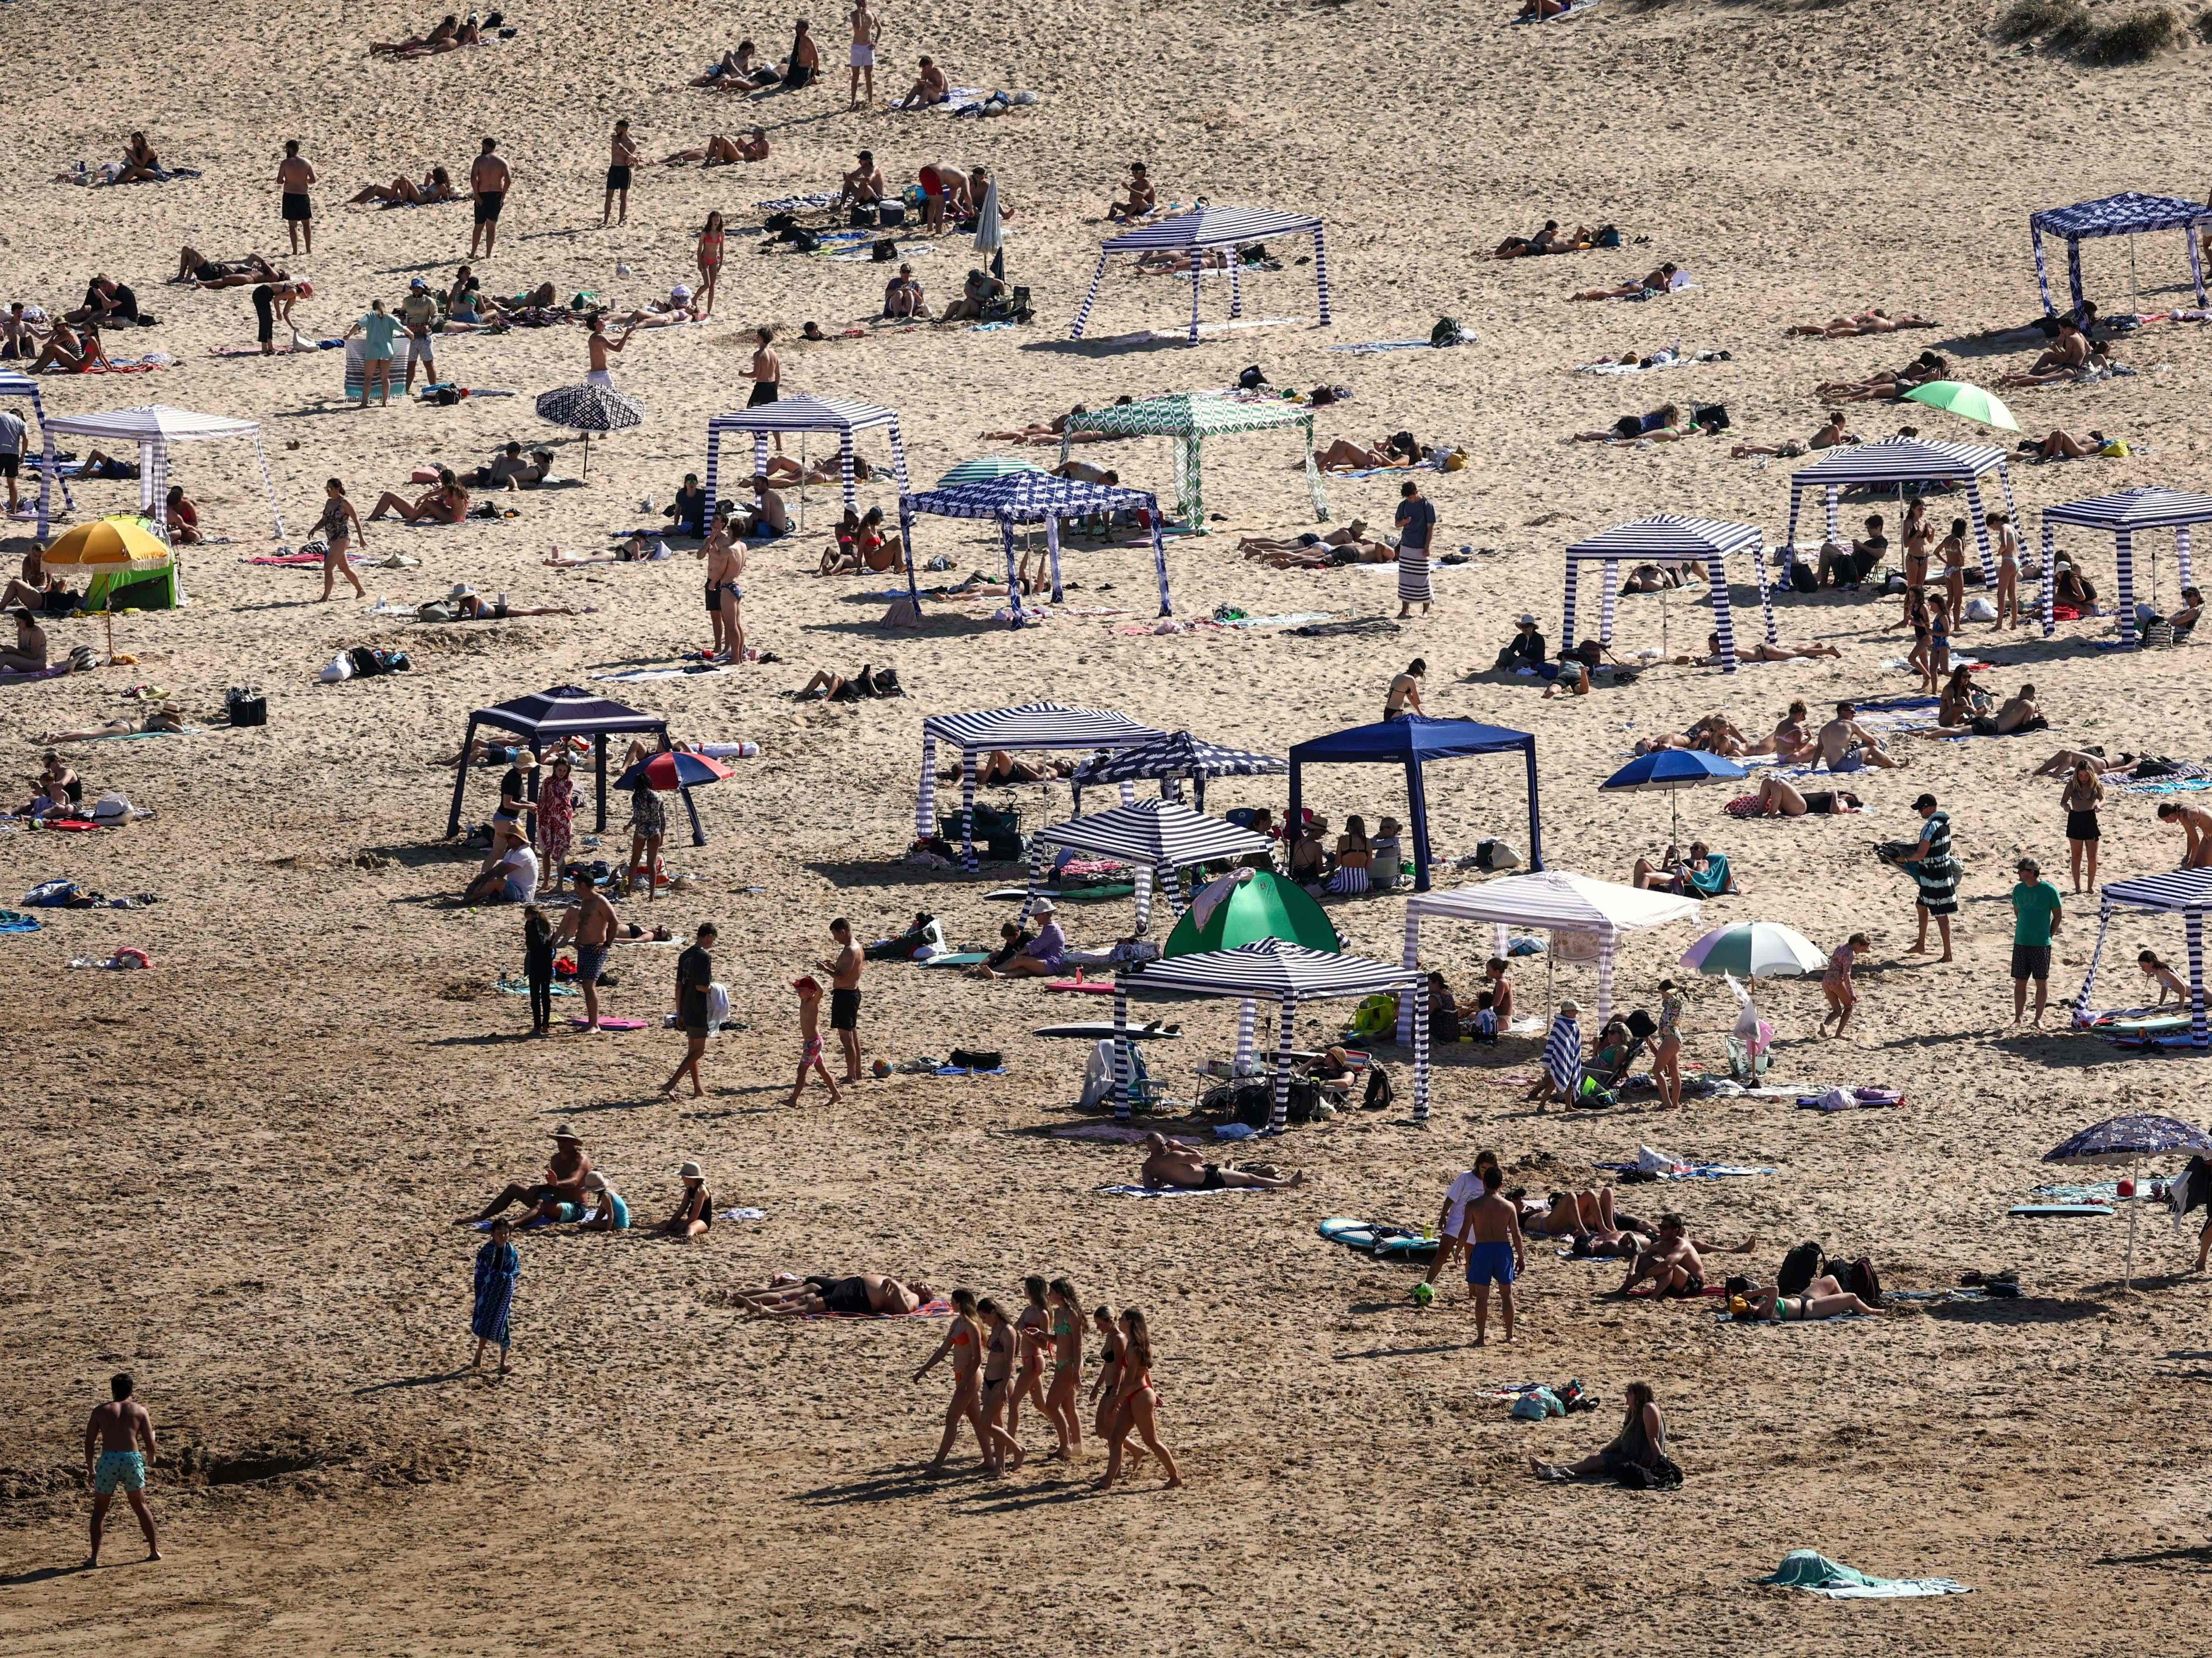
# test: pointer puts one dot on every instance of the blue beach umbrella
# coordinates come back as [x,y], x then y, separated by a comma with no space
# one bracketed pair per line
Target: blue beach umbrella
[1671,769]
[2129,1140]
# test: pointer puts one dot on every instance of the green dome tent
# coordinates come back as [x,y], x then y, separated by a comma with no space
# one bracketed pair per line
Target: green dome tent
[1245,906]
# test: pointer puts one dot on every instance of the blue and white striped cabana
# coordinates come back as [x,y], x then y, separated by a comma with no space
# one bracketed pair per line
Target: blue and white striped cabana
[16,385]
[1669,538]
[2184,892]
[1174,757]
[1030,728]
[1158,838]
[1281,972]
[802,413]
[2123,514]
[1031,498]
[1212,227]
[1904,460]
[2132,213]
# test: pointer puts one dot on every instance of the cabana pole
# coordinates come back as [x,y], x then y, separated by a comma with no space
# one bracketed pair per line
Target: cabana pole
[1416,809]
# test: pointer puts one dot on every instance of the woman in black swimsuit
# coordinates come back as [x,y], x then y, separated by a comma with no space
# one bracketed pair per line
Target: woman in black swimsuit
[1001,1347]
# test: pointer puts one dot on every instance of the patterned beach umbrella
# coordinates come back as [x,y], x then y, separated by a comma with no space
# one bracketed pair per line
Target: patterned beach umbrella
[587,409]
[2129,1140]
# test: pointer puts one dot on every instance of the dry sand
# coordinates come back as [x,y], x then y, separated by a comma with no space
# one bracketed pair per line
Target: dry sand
[235,1175]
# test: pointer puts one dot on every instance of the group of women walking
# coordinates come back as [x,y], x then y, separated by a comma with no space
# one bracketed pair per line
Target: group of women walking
[999,1361]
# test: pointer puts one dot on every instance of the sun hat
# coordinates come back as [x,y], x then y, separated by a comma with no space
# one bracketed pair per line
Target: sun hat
[1528,619]
[564,1133]
[462,590]
[307,290]
[417,282]
[803,983]
[681,291]
[1043,906]
[691,1171]
[595,1181]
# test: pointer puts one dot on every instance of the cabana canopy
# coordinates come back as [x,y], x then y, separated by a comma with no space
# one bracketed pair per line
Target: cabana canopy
[2129,214]
[1159,837]
[1412,741]
[1553,901]
[2184,892]
[804,412]
[1031,498]
[154,427]
[1904,460]
[1032,726]
[2123,514]
[18,385]
[1212,227]
[1283,972]
[1670,538]
[1188,419]
[559,712]
[1172,758]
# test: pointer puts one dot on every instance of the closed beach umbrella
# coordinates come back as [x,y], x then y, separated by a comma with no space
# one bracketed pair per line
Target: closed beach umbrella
[986,467]
[1967,402]
[1754,949]
[1671,769]
[587,409]
[2129,1140]
[673,769]
[990,235]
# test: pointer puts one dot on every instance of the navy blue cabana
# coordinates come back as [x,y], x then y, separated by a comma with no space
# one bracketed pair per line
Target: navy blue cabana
[2129,214]
[550,715]
[1412,741]
[1030,497]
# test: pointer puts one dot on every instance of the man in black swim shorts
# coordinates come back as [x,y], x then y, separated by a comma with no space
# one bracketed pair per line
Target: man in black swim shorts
[294,175]
[844,970]
[489,181]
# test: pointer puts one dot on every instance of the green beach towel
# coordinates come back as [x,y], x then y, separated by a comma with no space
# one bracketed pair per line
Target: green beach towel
[1801,1569]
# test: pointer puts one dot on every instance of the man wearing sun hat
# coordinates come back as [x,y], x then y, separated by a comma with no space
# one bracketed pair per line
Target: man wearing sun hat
[418,312]
[1524,649]
[565,1173]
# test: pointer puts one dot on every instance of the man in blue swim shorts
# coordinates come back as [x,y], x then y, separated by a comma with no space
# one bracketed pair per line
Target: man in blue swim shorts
[121,1436]
[1490,1233]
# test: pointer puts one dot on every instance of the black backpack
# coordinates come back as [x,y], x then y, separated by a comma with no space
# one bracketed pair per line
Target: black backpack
[1380,1092]
[886,251]
[1802,577]
[1252,378]
[1797,1270]
[367,663]
[1448,331]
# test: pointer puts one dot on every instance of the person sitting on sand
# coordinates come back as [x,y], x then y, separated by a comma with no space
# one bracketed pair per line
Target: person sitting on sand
[563,1181]
[1641,1444]
[1657,281]
[445,502]
[930,86]
[1876,321]
[437,186]
[904,298]
[2168,982]
[140,164]
[1142,197]
[1760,651]
[39,591]
[1701,875]
[2097,365]
[976,294]
[1170,1163]
[507,470]
[863,1294]
[1777,799]
[722,150]
[2014,714]
[1045,955]
[1923,368]
[68,351]
[1671,1266]
[1847,746]
[1790,741]
[740,71]
[29,655]
[513,878]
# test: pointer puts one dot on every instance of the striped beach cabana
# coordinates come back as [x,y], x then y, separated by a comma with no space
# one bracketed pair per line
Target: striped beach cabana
[2184,893]
[803,412]
[2131,213]
[1902,461]
[1159,838]
[1270,970]
[1187,419]
[17,384]
[1031,727]
[1667,538]
[1174,756]
[1031,498]
[2123,514]
[1195,232]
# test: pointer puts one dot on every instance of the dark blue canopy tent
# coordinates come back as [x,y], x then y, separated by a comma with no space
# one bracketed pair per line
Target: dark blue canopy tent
[2129,214]
[558,713]
[1412,741]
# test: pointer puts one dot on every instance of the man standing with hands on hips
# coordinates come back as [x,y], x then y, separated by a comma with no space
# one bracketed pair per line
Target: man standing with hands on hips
[2037,911]
[489,181]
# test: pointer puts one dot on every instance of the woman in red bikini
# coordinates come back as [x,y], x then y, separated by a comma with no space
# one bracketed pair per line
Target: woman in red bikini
[710,264]
[964,1341]
[1139,1403]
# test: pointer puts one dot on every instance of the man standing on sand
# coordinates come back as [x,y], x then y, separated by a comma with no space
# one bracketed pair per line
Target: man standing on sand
[488,182]
[1490,1233]
[844,970]
[622,157]
[867,31]
[695,973]
[294,175]
[590,926]
[418,313]
[768,374]
[121,1435]
[2037,911]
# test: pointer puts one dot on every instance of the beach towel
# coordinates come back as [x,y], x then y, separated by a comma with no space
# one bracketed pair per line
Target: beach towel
[1574,10]
[1802,1569]
[2059,1211]
[14,921]
[1842,1099]
[1691,1171]
[613,1024]
[966,1071]
[1172,1191]
[1372,346]
[937,1309]
[498,1268]
[744,1215]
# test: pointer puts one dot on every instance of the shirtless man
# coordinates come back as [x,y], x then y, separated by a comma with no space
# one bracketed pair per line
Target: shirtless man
[1490,1237]
[294,175]
[930,86]
[767,372]
[788,1296]
[1672,1264]
[488,182]
[865,183]
[622,156]
[1847,746]
[598,346]
[118,1439]
[590,926]
[1168,1163]
[867,30]
[2196,823]
[844,970]
[563,1181]
[1141,198]
[718,552]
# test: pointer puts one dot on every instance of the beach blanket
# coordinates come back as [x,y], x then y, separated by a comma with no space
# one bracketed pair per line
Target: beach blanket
[937,1309]
[11,676]
[695,669]
[1691,1171]
[1842,1099]
[1802,1569]
[743,1215]
[1574,10]
[1172,1191]
[966,1071]
[799,204]
[1369,347]
[14,921]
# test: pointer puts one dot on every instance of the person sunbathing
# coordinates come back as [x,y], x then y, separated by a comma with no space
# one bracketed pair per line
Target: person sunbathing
[1964,718]
[1824,1298]
[437,186]
[739,72]
[1832,434]
[2061,763]
[1575,1214]
[1053,430]
[1876,321]
[863,1294]
[1540,11]
[1314,551]
[1760,651]
[1658,282]
[1345,455]
[445,502]
[1662,425]
[661,312]
[1170,1164]
[69,350]
[1000,769]
[1922,370]
[1777,799]
[469,606]
[1549,240]
[158,721]
[194,266]
[444,37]
[722,150]
[930,86]
[2064,446]
[824,469]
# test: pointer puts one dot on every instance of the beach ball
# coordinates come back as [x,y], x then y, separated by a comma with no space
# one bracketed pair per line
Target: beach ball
[2127,1188]
[881,1069]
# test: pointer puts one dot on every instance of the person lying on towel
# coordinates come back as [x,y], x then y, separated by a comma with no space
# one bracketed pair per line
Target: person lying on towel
[1167,1164]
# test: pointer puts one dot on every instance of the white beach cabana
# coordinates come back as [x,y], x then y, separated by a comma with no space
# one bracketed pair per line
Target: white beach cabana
[802,412]
[13,384]
[1159,838]
[1902,461]
[1194,234]
[1664,539]
[1032,727]
[2122,516]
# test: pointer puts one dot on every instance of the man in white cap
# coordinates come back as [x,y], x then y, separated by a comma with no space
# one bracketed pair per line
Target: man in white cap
[1045,953]
[565,1174]
[418,313]
[1524,649]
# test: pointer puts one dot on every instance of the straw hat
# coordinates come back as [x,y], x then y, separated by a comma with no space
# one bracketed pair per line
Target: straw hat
[1043,906]
[462,590]
[595,1181]
[691,1172]
[564,1133]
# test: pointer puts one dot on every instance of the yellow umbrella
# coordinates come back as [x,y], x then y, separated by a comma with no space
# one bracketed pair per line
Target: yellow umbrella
[107,541]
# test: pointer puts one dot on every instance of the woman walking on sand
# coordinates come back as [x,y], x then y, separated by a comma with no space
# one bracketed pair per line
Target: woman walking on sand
[1066,1369]
[1102,1391]
[710,264]
[1001,1349]
[556,815]
[337,526]
[1139,1403]
[964,1341]
[1032,1326]
[1667,1046]
[498,1267]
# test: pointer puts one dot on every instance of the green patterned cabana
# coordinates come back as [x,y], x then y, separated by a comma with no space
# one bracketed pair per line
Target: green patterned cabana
[1187,419]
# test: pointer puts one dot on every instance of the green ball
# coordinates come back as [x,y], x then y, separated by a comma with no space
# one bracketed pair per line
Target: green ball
[1424,1293]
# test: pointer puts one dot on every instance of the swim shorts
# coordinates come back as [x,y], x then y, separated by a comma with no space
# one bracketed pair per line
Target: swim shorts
[713,597]
[488,203]
[297,208]
[124,1468]
[864,56]
[514,892]
[844,1010]
[1852,760]
[2031,961]
[812,1055]
[1490,1263]
[763,392]
[618,178]
[421,348]
[590,959]
[11,464]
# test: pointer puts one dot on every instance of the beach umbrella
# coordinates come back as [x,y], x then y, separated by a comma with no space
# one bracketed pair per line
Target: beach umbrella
[1754,949]
[673,769]
[984,468]
[587,409]
[1967,402]
[1671,769]
[118,540]
[990,233]
[1247,906]
[2129,1140]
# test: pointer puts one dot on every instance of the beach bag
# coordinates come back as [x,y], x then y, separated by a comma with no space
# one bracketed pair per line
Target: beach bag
[1380,1091]
[50,895]
[339,666]
[1714,414]
[1448,331]
[885,251]
[1252,378]
[718,1005]
[1797,1270]
[366,664]
[1496,855]
[1801,577]
[247,705]
[1608,235]
[1661,1476]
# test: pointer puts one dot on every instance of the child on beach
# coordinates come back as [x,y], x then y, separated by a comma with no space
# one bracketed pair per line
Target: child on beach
[1490,1236]
[1836,985]
[537,968]
[498,1267]
[809,1034]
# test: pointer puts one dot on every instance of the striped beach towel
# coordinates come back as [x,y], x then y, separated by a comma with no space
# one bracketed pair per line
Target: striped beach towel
[498,1267]
[1347,879]
[1414,575]
[1937,872]
[1562,1054]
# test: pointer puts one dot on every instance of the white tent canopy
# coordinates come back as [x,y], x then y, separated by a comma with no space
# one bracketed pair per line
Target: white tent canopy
[1552,901]
[1158,836]
[1205,228]
[154,427]
[13,384]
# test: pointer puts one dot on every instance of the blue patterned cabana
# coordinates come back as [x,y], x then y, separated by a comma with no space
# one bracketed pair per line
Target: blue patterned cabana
[1210,227]
[1670,538]
[2129,214]
[1174,756]
[2123,514]
[1031,498]
[1903,460]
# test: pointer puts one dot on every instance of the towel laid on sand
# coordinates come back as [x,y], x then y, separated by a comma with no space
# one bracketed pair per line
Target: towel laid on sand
[1803,1568]
[1172,1191]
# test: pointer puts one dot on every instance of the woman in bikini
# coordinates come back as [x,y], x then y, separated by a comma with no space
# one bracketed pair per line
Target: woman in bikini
[2007,600]
[338,526]
[1001,1347]
[732,594]
[1666,1047]
[446,503]
[1032,1325]
[1104,1391]
[1066,1369]
[964,1341]
[1137,1402]
[2084,793]
[1353,858]
[709,253]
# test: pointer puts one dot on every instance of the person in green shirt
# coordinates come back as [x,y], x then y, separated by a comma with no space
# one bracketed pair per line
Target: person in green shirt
[2037,911]
[379,328]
